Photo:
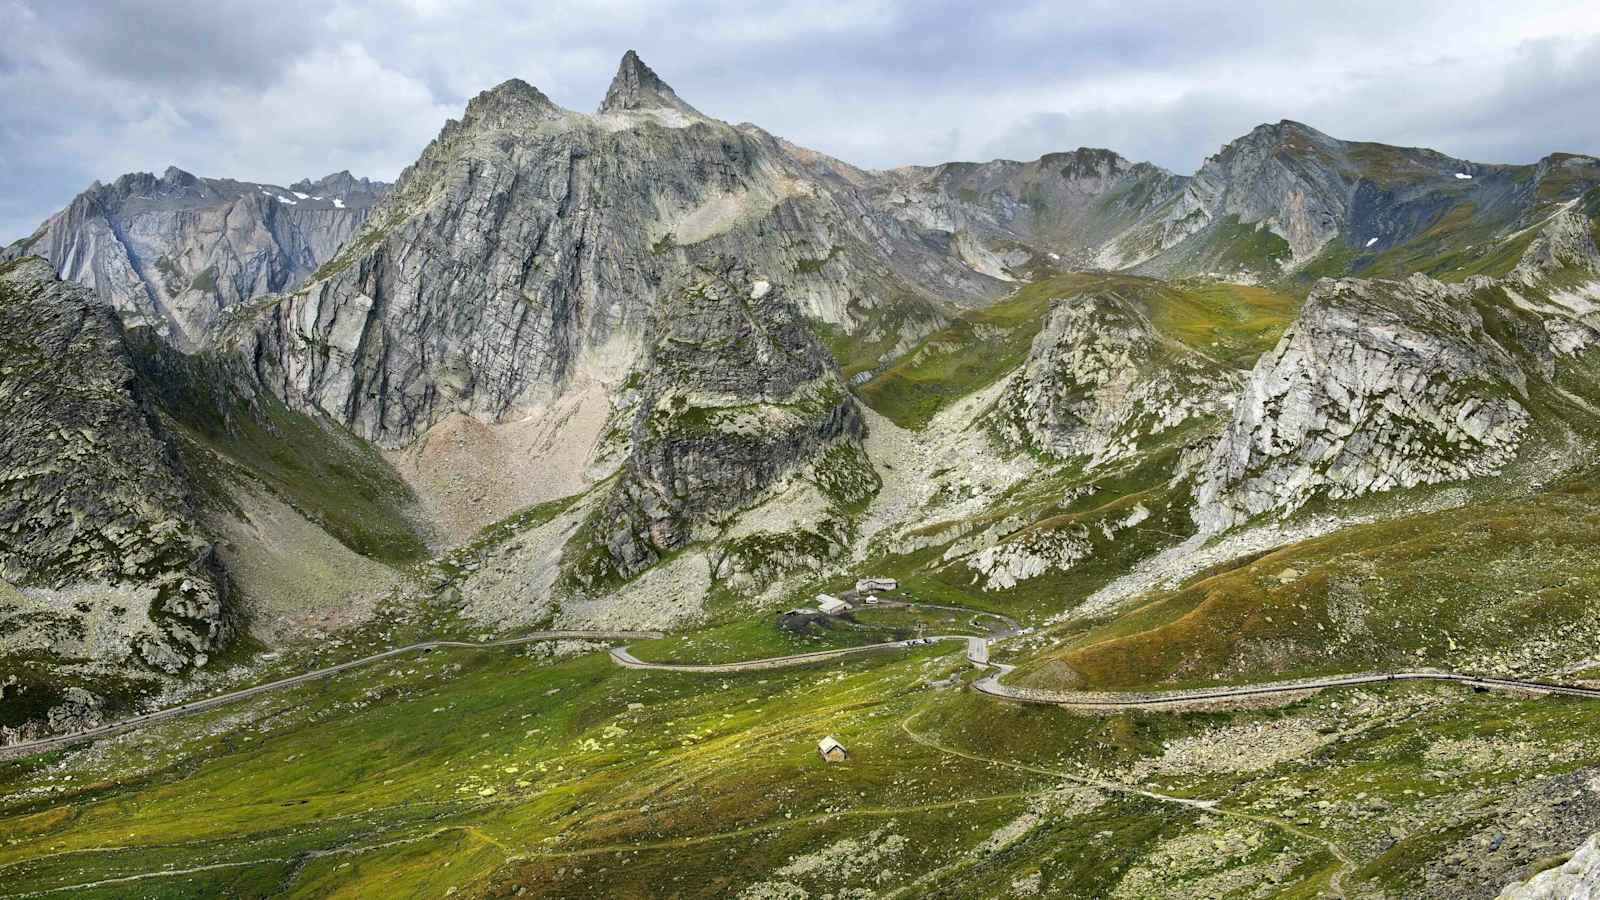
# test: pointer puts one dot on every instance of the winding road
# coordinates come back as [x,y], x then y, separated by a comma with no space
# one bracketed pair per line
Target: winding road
[28,748]
[977,655]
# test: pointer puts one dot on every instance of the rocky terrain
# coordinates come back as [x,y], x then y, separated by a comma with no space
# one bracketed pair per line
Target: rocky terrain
[1100,381]
[1390,384]
[1321,407]
[1576,879]
[736,394]
[174,251]
[103,560]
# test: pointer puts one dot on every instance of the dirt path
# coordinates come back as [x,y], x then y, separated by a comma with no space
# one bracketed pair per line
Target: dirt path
[27,748]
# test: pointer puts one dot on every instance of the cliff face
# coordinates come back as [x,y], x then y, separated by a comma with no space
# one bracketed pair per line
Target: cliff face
[1389,384]
[737,394]
[529,245]
[99,550]
[172,252]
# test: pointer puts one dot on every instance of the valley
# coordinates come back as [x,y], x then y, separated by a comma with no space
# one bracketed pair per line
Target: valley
[475,535]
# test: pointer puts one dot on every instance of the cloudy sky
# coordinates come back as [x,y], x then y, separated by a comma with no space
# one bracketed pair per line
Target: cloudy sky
[276,91]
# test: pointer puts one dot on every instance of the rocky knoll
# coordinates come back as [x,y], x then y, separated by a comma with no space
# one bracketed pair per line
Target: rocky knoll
[1099,379]
[1576,879]
[1389,384]
[172,252]
[737,393]
[99,552]
[1378,385]
[526,248]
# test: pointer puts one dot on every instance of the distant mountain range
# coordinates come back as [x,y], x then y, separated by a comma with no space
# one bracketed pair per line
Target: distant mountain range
[173,251]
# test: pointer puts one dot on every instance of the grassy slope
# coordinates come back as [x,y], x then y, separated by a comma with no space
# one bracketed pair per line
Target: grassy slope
[331,476]
[1448,589]
[493,771]
[1234,323]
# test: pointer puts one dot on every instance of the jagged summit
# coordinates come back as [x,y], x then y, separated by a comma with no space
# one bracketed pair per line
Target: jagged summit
[637,86]
[508,102]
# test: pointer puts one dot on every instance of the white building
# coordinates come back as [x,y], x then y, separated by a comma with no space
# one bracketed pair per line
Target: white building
[871,585]
[831,750]
[831,605]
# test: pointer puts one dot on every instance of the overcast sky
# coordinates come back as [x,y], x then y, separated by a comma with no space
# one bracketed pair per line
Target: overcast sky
[276,91]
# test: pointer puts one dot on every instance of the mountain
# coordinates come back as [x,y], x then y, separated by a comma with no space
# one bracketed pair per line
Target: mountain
[102,558]
[1071,209]
[173,252]
[1287,197]
[1113,435]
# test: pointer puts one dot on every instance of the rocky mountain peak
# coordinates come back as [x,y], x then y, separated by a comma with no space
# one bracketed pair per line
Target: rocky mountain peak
[340,183]
[1283,136]
[177,177]
[1087,162]
[509,103]
[637,86]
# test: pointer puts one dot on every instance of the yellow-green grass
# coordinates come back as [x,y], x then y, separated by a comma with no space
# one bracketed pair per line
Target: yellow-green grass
[1444,589]
[760,636]
[641,783]
[1232,324]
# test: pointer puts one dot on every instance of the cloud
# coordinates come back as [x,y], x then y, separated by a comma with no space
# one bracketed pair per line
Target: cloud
[293,88]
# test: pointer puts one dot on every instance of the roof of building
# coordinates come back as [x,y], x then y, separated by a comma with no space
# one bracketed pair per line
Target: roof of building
[829,743]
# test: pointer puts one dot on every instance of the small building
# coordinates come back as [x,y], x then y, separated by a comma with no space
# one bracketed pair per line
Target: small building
[831,750]
[873,600]
[874,585]
[831,605]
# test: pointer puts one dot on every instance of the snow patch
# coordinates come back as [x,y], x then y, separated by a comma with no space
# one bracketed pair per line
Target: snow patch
[1371,242]
[337,203]
[286,200]
[1463,176]
[300,195]
[759,289]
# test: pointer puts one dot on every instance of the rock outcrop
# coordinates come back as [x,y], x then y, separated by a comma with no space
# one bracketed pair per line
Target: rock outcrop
[1378,385]
[100,555]
[636,86]
[1099,380]
[737,393]
[1576,879]
[1392,384]
[172,252]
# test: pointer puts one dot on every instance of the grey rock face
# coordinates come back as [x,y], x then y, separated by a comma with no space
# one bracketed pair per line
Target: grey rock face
[1080,206]
[737,393]
[93,499]
[529,245]
[1099,379]
[1576,879]
[172,252]
[1378,385]
[1388,384]
[1309,190]
[636,86]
